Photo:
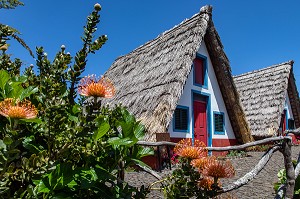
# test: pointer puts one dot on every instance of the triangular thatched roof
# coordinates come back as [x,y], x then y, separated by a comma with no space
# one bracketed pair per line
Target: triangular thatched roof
[262,93]
[150,79]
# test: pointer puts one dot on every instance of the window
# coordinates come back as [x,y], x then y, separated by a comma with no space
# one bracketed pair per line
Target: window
[200,71]
[219,123]
[181,117]
[291,124]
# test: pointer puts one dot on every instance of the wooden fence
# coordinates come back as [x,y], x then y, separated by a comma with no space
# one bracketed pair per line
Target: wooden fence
[281,143]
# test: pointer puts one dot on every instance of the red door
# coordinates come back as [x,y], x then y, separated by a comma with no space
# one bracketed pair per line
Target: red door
[200,121]
[284,120]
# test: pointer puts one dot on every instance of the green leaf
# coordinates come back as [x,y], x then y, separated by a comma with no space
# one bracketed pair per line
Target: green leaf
[120,141]
[86,177]
[58,179]
[16,91]
[41,187]
[7,89]
[145,151]
[139,131]
[91,173]
[103,174]
[28,144]
[35,120]
[2,145]
[13,151]
[7,140]
[76,109]
[19,79]
[128,118]
[72,184]
[27,92]
[141,164]
[4,77]
[62,175]
[127,129]
[73,118]
[3,95]
[103,128]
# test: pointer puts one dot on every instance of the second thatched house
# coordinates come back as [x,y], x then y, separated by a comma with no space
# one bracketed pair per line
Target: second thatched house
[180,86]
[270,99]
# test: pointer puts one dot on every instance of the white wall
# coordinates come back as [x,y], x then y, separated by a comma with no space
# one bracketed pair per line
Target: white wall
[217,103]
[288,108]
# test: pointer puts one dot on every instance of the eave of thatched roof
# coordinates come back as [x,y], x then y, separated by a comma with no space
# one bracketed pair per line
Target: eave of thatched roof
[150,79]
[294,98]
[263,93]
[229,92]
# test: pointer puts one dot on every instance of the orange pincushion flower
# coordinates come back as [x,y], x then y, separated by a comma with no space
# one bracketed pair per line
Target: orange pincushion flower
[184,148]
[17,110]
[207,183]
[92,86]
[200,162]
[218,168]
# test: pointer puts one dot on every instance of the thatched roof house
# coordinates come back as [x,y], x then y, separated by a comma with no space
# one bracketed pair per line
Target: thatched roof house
[269,97]
[150,80]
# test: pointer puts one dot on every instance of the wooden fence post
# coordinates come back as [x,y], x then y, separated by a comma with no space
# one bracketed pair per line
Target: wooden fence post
[290,172]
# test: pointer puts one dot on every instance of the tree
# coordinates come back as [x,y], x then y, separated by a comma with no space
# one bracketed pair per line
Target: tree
[10,4]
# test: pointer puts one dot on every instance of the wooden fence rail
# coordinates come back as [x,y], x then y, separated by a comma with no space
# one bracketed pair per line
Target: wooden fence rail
[281,143]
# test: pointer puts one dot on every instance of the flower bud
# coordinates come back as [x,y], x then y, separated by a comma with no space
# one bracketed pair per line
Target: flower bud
[4,47]
[97,7]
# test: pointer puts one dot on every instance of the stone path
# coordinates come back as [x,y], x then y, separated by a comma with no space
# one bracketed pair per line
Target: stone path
[261,187]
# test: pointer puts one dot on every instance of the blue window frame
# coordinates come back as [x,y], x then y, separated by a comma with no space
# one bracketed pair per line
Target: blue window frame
[202,72]
[181,119]
[219,123]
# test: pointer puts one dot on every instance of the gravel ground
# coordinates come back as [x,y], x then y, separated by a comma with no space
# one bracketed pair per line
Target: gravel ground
[260,187]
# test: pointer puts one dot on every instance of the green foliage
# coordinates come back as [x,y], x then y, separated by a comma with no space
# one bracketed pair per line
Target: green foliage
[236,154]
[68,151]
[12,87]
[183,182]
[282,180]
[6,33]
[10,4]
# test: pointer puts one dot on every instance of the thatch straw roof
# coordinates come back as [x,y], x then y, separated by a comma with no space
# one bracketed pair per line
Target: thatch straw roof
[263,93]
[150,79]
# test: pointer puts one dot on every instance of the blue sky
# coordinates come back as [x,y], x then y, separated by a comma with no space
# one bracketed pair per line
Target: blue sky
[255,34]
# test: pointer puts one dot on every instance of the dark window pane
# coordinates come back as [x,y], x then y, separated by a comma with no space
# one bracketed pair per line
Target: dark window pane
[181,119]
[219,122]
[291,124]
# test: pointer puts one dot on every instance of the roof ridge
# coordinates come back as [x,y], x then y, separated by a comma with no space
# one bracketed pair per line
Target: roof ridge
[290,62]
[207,9]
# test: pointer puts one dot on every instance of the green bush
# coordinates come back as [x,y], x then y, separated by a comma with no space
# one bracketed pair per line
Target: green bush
[282,180]
[52,145]
[197,175]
